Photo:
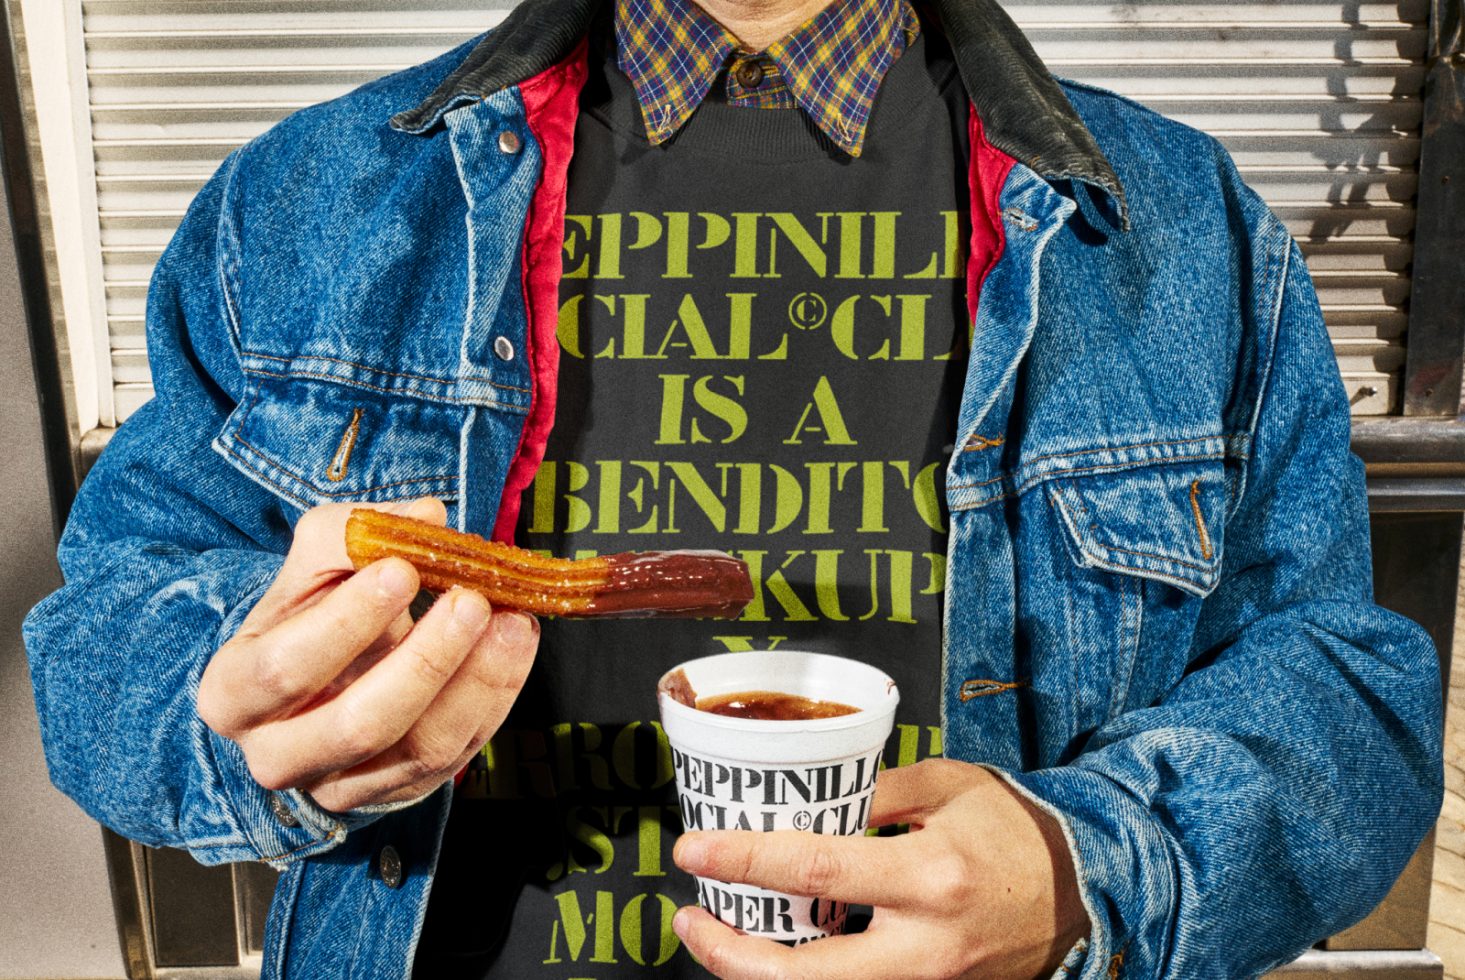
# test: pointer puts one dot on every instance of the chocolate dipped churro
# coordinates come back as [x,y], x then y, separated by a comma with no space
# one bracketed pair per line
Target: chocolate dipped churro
[688,584]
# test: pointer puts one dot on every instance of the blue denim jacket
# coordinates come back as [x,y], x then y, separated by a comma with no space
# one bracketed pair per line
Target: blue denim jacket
[1160,624]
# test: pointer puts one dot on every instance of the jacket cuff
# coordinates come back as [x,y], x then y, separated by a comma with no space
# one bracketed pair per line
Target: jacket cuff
[270,827]
[285,826]
[280,827]
[1124,868]
[1072,964]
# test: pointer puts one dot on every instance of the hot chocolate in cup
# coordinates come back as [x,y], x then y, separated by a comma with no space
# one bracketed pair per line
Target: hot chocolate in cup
[808,774]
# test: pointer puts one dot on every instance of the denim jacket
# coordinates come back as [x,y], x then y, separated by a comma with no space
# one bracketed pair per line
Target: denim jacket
[1159,616]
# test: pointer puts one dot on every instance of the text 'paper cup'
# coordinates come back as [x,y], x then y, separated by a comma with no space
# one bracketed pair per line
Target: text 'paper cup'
[815,775]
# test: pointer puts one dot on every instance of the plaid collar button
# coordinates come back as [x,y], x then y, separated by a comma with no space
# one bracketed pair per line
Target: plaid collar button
[749,73]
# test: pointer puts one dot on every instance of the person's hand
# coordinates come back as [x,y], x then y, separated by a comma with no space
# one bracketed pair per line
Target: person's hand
[329,687]
[982,886]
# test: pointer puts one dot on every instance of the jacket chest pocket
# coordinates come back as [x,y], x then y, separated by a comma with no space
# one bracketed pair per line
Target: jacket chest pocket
[314,441]
[1144,548]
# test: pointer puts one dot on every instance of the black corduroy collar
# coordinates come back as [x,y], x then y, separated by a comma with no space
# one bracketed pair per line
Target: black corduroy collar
[1023,111]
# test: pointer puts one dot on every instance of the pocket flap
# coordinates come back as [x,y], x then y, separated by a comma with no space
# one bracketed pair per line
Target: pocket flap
[1163,522]
[315,442]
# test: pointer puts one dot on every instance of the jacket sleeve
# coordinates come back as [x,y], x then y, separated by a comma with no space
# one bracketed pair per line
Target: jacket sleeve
[166,550]
[1274,795]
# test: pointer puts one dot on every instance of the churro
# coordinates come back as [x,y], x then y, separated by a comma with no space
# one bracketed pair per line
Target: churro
[685,584]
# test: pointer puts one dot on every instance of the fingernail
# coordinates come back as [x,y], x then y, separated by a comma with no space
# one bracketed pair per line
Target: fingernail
[520,628]
[396,579]
[689,852]
[470,611]
[681,923]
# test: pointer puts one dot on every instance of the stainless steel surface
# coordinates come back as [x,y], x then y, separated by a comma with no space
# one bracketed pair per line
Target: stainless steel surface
[1437,308]
[1389,494]
[1316,964]
[191,910]
[1410,441]
[255,884]
[248,969]
[1416,568]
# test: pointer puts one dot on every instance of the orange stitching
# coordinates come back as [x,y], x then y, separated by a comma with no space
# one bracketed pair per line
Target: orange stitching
[978,505]
[264,476]
[450,399]
[1200,521]
[1058,499]
[355,364]
[981,688]
[1149,554]
[1137,445]
[307,844]
[368,367]
[1115,963]
[1084,469]
[325,493]
[1109,466]
[984,483]
[489,381]
[336,472]
[977,443]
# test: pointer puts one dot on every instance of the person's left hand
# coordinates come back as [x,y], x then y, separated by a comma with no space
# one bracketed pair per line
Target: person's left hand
[983,885]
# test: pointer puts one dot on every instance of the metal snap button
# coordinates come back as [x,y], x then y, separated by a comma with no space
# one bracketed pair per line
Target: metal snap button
[749,73]
[281,810]
[509,141]
[504,348]
[389,864]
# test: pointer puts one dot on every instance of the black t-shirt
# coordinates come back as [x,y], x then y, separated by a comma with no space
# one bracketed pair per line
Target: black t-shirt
[762,348]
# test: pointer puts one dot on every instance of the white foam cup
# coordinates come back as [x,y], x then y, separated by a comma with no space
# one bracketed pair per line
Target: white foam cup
[815,775]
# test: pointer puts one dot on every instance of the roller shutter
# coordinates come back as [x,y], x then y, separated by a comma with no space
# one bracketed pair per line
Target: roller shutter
[1319,103]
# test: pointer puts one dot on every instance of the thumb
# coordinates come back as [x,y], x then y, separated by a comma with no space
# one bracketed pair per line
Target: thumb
[910,793]
[318,552]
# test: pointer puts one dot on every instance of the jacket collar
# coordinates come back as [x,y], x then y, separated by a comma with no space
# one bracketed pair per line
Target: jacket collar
[1023,111]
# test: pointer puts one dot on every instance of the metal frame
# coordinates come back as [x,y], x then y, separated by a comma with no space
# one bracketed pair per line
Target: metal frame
[1437,308]
[65,128]
[1415,463]
[1409,964]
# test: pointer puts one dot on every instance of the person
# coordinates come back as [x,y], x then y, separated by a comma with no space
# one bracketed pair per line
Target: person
[1006,385]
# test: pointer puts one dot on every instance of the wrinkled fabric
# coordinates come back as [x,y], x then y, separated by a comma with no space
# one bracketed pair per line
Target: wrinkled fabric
[831,67]
[1159,609]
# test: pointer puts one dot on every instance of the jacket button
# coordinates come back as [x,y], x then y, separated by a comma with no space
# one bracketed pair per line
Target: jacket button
[509,141]
[389,864]
[281,810]
[504,348]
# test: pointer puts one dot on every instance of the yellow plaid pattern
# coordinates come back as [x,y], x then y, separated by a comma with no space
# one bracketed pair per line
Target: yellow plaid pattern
[831,67]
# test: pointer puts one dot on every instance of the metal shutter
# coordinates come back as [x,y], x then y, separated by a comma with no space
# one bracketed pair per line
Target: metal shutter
[1319,102]
[1320,105]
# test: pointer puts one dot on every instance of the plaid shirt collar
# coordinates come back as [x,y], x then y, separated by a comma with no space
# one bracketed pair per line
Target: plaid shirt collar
[831,67]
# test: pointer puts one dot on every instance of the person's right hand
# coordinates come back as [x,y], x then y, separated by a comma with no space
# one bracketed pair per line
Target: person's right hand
[329,687]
